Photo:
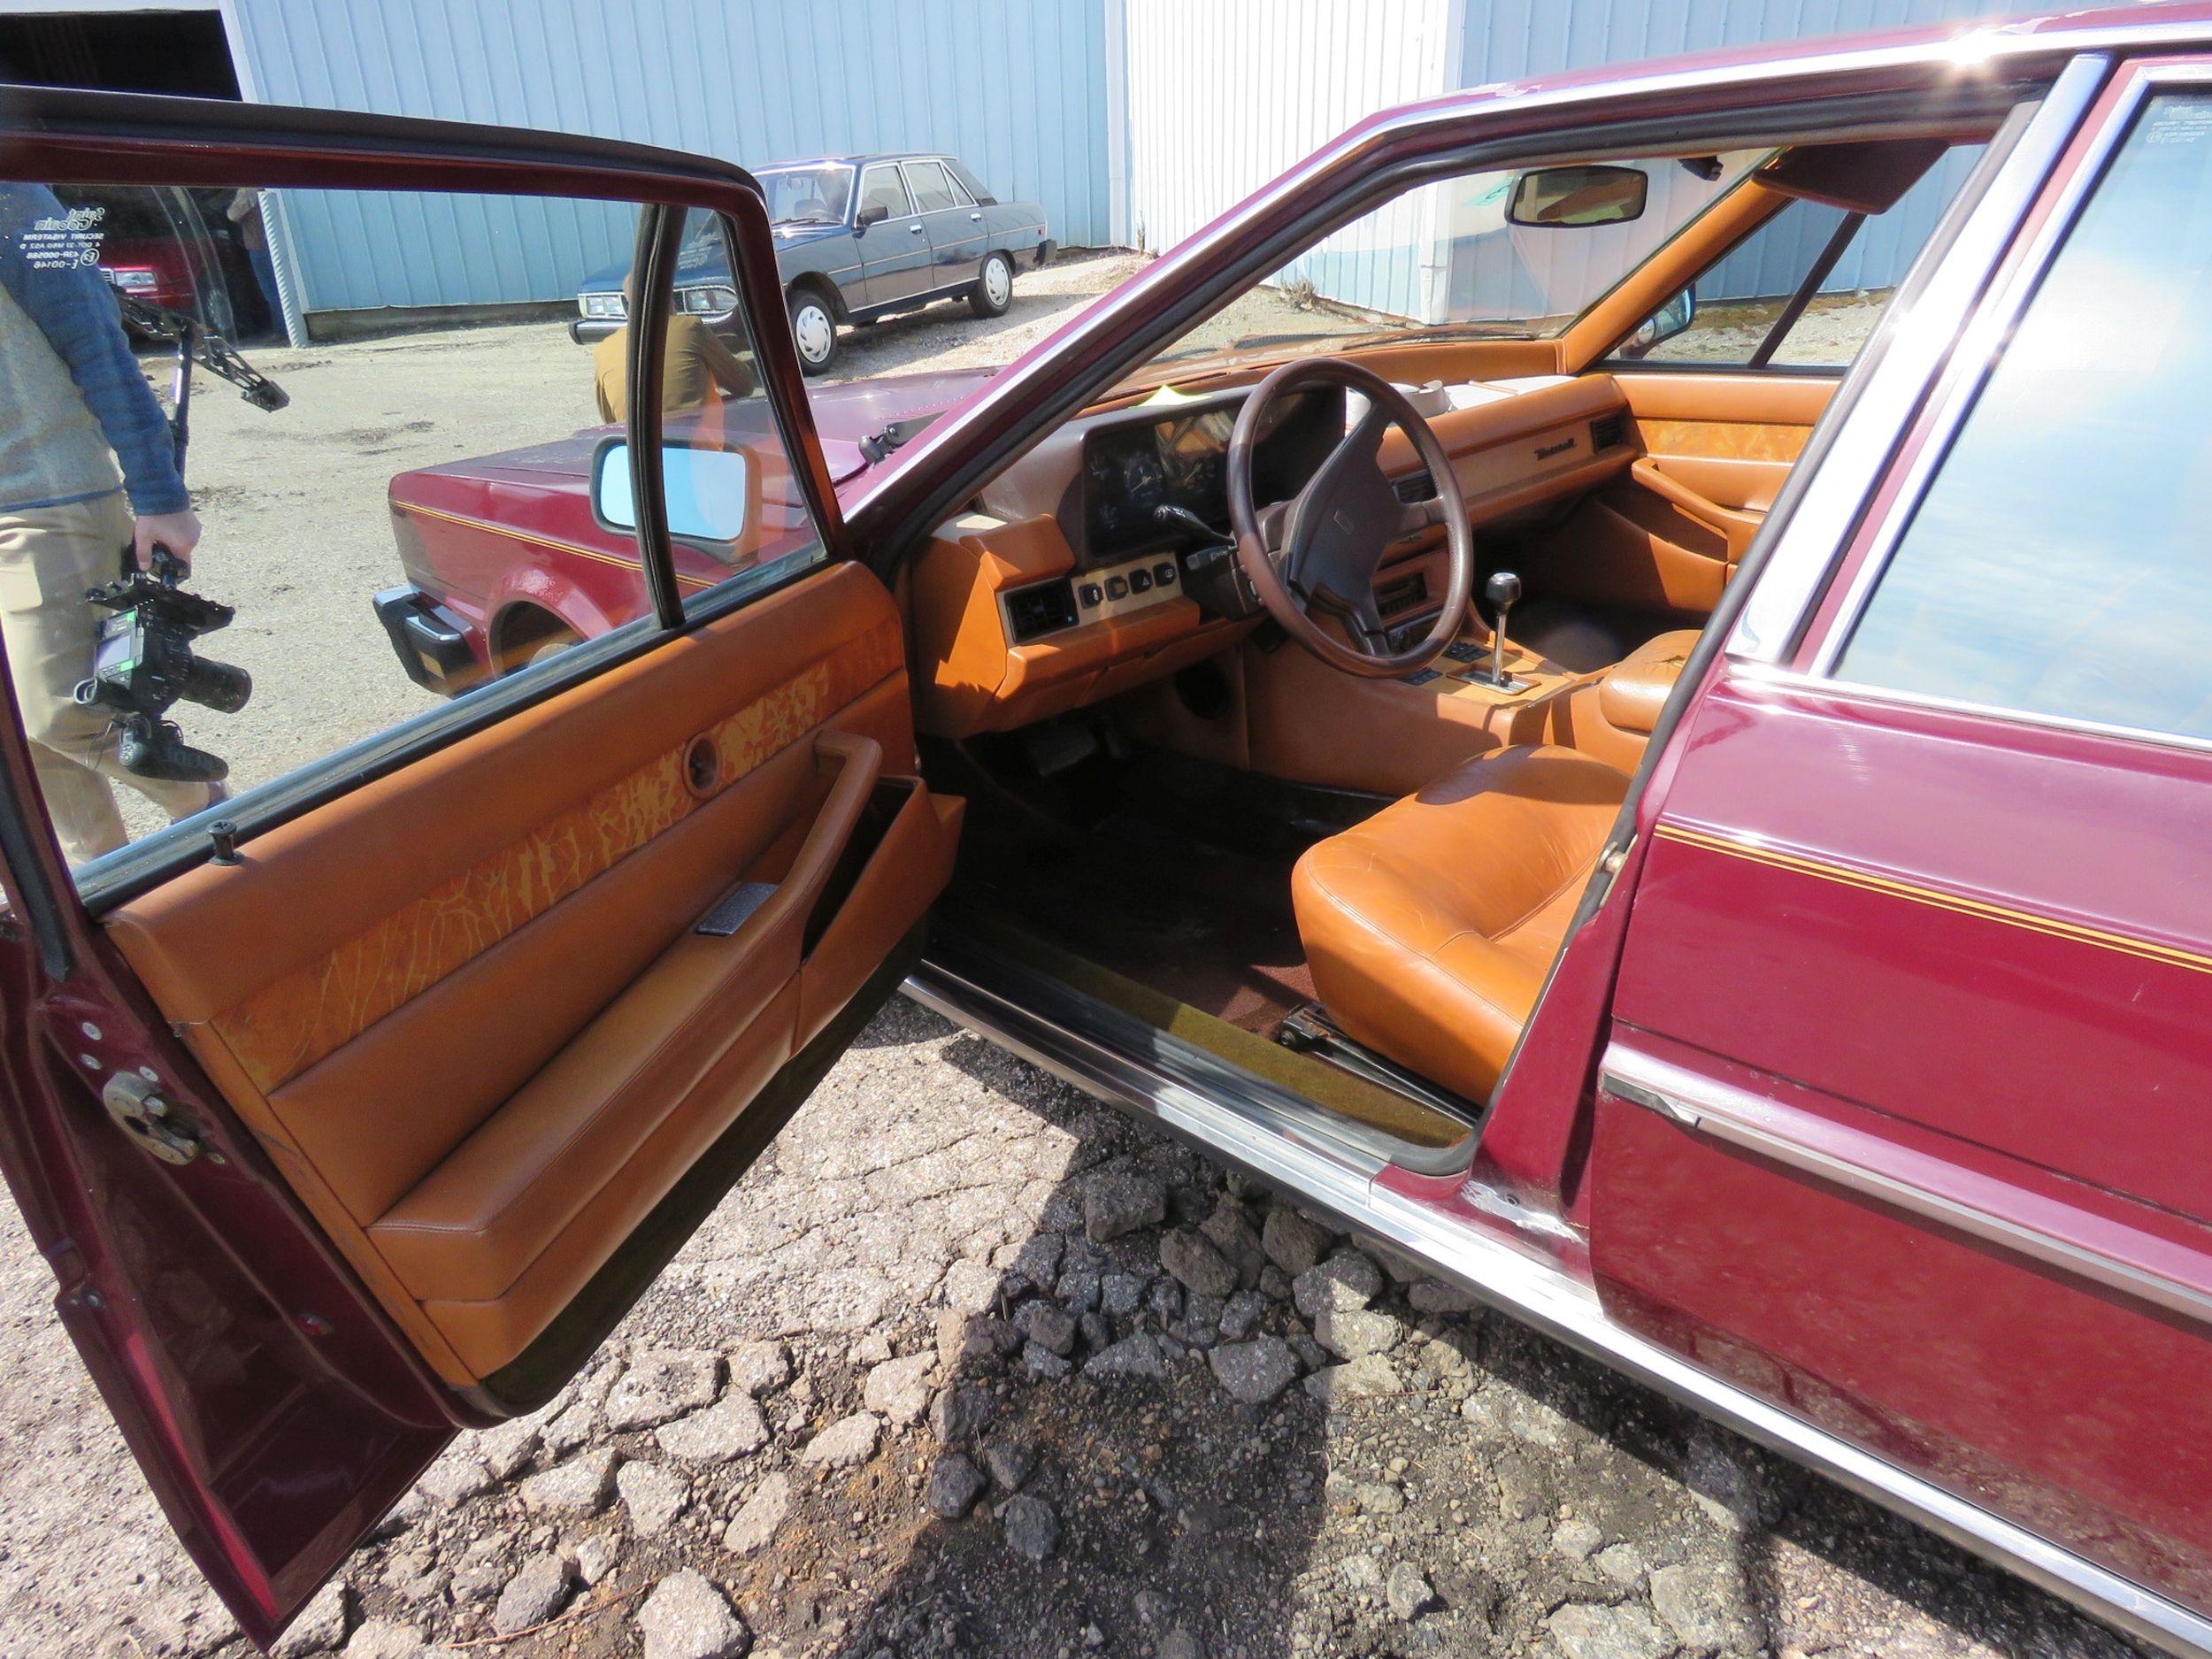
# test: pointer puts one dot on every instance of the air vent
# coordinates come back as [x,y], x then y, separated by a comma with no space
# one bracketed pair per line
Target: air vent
[1045,609]
[1420,486]
[1607,430]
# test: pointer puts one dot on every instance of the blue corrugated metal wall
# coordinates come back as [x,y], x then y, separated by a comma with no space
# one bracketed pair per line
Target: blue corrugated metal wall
[1016,88]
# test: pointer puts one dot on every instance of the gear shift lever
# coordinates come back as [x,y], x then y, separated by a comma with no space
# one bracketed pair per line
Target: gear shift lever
[1504,591]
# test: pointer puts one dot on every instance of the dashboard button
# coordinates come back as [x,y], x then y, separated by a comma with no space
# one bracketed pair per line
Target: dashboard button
[1140,581]
[1091,595]
[1117,588]
[1164,572]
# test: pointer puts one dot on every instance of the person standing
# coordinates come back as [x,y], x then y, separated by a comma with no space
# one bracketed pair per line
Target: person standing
[245,212]
[88,471]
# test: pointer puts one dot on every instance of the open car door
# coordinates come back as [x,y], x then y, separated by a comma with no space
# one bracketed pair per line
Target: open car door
[356,1108]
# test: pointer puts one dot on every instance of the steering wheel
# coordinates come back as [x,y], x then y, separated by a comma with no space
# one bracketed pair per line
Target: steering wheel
[1317,554]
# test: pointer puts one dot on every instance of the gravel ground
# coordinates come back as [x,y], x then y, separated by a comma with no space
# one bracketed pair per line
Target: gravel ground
[967,1365]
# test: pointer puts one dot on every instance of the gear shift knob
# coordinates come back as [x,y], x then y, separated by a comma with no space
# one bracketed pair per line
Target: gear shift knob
[1503,591]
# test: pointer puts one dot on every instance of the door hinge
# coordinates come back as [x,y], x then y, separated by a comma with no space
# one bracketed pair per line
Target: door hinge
[142,1114]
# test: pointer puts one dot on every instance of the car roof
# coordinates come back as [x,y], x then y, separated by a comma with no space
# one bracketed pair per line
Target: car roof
[856,159]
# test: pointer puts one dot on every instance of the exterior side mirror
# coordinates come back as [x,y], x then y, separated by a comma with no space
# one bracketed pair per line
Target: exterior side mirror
[712,494]
[1578,198]
[874,213]
[1664,324]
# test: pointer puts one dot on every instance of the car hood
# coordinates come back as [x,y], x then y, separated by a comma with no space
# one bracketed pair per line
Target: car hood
[844,415]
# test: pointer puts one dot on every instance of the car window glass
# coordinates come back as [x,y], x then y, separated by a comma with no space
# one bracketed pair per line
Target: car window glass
[2056,563]
[880,186]
[932,192]
[807,196]
[1444,257]
[736,514]
[396,513]
[961,195]
[1742,300]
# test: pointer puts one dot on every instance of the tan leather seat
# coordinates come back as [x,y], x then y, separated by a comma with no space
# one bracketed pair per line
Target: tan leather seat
[1430,928]
[1611,718]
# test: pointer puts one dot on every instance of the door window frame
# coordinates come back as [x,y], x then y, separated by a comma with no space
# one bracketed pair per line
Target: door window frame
[860,189]
[1834,610]
[93,138]
[907,169]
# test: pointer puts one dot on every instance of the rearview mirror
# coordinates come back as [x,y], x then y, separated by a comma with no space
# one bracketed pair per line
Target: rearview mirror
[1576,197]
[874,213]
[710,492]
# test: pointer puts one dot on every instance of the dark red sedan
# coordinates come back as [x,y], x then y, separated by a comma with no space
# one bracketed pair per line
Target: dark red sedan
[1664,782]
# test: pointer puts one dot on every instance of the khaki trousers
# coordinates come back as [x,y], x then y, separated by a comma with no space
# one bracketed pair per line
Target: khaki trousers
[48,555]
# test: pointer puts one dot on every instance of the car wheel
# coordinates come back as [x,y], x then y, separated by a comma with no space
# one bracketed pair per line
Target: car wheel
[993,290]
[813,330]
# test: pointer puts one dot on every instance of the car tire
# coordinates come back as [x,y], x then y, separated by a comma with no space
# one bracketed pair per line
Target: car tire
[993,290]
[813,330]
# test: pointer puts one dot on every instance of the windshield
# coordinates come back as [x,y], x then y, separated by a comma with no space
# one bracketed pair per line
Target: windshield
[807,196]
[1443,260]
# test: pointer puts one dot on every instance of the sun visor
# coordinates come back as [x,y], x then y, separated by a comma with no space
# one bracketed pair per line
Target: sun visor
[1867,177]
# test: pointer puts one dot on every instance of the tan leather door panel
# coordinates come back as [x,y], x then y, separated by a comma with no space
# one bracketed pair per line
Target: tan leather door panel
[476,1027]
[1731,438]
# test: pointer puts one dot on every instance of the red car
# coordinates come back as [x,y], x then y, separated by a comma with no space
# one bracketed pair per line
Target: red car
[1674,796]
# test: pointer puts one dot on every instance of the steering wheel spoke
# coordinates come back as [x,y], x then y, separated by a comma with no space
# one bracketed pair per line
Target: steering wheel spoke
[1319,555]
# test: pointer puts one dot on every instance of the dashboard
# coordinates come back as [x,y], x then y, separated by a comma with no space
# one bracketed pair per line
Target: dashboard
[1131,469]
[1060,585]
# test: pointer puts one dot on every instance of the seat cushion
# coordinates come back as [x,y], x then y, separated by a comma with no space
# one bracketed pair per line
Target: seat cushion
[1429,928]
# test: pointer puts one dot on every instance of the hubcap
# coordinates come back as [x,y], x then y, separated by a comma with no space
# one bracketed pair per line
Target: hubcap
[996,284]
[811,327]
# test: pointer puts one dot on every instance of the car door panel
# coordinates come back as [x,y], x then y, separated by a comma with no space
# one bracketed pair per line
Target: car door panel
[484,1052]
[1731,438]
[1970,1201]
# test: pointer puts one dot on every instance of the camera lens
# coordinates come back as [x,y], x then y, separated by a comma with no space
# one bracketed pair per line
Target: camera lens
[219,686]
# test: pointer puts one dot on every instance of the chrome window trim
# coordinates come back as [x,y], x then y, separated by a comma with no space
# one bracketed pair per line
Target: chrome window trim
[1762,675]
[1534,1290]
[906,167]
[1911,350]
[1983,345]
[1714,1109]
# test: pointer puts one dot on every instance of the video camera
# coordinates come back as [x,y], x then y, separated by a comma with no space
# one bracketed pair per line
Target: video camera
[143,661]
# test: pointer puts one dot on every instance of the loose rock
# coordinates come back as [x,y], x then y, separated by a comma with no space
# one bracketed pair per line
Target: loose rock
[660,1385]
[898,1389]
[957,1413]
[1011,1461]
[759,1367]
[1230,1230]
[755,1524]
[1121,1201]
[1370,1374]
[1292,1243]
[652,1495]
[1192,1259]
[1255,1373]
[1032,1531]
[1134,1358]
[1343,1284]
[578,1486]
[687,1617]
[1047,1325]
[1585,1632]
[953,1483]
[1407,1593]
[320,1626]
[718,1434]
[531,1596]
[845,1442]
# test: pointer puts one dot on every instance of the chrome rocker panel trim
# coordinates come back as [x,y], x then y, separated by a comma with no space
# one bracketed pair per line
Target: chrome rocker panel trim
[1339,1178]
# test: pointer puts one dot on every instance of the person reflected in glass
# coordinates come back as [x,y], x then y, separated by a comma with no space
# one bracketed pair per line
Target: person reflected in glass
[88,477]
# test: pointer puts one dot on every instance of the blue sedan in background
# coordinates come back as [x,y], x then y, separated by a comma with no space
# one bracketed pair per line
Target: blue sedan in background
[858,238]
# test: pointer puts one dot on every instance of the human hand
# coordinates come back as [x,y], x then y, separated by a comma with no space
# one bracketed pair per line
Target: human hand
[178,532]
